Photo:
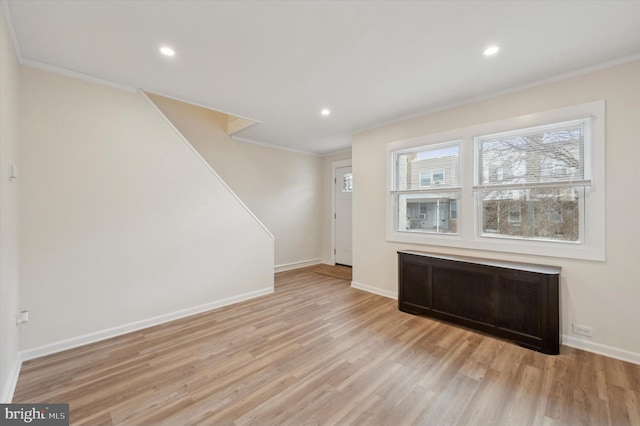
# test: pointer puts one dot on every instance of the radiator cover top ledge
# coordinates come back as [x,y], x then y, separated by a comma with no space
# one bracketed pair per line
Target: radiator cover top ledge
[512,300]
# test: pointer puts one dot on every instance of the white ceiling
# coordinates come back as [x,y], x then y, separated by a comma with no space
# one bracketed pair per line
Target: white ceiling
[281,62]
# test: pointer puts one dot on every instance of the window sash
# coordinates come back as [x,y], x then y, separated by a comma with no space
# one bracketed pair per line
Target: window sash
[575,234]
[555,154]
[426,212]
[411,165]
[428,190]
[576,183]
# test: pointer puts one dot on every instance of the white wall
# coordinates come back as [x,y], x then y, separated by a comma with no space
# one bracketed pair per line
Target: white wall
[9,85]
[123,223]
[283,188]
[602,295]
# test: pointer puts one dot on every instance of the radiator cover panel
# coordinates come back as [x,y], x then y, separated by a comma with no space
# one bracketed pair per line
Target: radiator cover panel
[512,300]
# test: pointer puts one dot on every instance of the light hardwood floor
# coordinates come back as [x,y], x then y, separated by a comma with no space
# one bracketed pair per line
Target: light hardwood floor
[319,352]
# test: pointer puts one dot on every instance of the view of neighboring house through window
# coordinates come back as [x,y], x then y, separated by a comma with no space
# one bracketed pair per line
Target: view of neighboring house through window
[347,182]
[531,181]
[536,189]
[426,188]
[431,177]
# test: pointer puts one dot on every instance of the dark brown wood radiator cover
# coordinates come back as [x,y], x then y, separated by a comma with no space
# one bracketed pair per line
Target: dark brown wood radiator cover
[516,301]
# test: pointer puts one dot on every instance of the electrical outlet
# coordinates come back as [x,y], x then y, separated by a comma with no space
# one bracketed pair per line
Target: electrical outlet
[582,329]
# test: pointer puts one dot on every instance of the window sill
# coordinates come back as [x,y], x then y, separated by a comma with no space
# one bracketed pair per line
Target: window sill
[557,249]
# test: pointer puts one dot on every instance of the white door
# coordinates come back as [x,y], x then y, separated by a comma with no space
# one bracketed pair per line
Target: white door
[343,190]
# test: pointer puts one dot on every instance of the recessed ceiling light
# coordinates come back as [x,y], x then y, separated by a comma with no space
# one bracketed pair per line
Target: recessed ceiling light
[167,51]
[491,50]
[325,112]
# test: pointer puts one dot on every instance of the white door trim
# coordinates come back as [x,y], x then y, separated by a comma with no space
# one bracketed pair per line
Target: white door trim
[335,165]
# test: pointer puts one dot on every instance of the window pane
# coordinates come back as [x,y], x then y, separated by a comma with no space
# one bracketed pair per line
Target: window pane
[425,178]
[539,154]
[347,182]
[438,177]
[546,214]
[427,167]
[433,213]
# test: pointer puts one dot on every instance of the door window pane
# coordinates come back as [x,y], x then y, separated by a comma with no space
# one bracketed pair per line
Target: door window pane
[347,182]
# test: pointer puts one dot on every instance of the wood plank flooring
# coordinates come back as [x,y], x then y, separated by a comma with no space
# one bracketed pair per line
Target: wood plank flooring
[317,352]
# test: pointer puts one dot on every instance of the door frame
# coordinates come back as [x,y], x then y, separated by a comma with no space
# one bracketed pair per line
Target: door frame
[334,166]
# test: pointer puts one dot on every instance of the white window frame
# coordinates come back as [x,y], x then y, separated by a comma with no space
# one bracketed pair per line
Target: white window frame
[592,213]
[391,185]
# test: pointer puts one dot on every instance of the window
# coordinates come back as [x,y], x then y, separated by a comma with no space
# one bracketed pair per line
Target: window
[515,213]
[539,171]
[504,186]
[422,195]
[438,177]
[347,182]
[425,178]
[555,213]
[429,177]
[453,210]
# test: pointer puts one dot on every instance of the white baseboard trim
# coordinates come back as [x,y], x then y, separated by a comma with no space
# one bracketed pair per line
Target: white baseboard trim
[296,265]
[374,290]
[598,348]
[10,386]
[86,339]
